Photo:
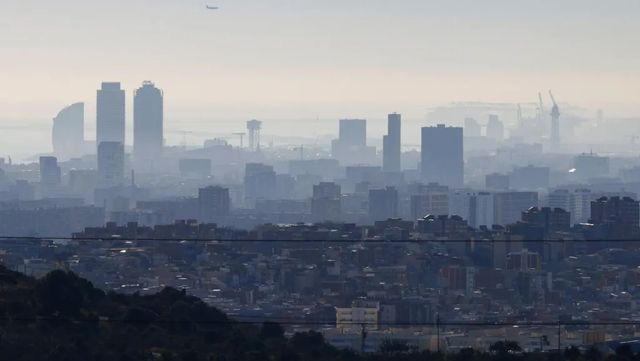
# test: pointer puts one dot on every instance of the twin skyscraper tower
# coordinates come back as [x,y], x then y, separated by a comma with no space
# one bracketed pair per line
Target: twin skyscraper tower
[148,123]
[148,118]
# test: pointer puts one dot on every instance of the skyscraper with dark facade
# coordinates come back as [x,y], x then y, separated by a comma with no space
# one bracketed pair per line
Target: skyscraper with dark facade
[110,114]
[550,220]
[618,217]
[326,202]
[508,206]
[49,171]
[213,203]
[259,183]
[442,158]
[148,122]
[392,143]
[383,203]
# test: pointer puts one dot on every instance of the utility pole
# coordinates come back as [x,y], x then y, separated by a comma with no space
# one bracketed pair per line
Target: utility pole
[438,332]
[559,344]
[363,338]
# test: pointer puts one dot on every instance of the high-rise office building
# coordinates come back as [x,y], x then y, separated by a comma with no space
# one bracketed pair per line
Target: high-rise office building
[68,132]
[560,198]
[428,199]
[148,120]
[392,144]
[495,128]
[476,207]
[110,115]
[577,202]
[508,206]
[353,132]
[530,177]
[497,181]
[49,171]
[442,159]
[459,203]
[110,164]
[351,145]
[326,203]
[327,190]
[213,203]
[481,210]
[581,206]
[549,219]
[588,166]
[620,216]
[259,182]
[472,128]
[383,203]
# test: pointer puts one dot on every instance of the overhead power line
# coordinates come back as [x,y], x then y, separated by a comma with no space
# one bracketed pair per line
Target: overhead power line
[293,240]
[299,322]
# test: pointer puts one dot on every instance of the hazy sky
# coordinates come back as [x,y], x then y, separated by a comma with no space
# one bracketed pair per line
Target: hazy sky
[326,58]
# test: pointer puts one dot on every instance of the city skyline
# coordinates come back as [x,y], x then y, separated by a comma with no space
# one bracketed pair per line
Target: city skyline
[320,180]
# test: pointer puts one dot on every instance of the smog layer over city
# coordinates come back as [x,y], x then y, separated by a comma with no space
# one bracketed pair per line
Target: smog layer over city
[315,180]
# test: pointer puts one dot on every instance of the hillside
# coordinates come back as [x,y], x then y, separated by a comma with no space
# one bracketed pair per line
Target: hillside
[64,317]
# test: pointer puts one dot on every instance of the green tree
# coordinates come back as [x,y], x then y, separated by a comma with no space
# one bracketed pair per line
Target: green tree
[271,330]
[624,352]
[593,354]
[505,347]
[572,353]
[390,346]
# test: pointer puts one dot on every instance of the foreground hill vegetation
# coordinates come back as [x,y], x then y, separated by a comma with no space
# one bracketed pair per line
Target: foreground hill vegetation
[64,317]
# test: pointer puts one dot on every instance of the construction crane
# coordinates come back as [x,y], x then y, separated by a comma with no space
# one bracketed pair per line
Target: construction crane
[553,100]
[540,107]
[555,121]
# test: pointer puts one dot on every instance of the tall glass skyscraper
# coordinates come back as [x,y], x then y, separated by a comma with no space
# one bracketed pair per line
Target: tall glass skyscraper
[110,116]
[391,144]
[442,159]
[148,122]
[110,164]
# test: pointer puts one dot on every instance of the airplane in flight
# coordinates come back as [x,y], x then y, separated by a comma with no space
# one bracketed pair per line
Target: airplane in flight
[212,7]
